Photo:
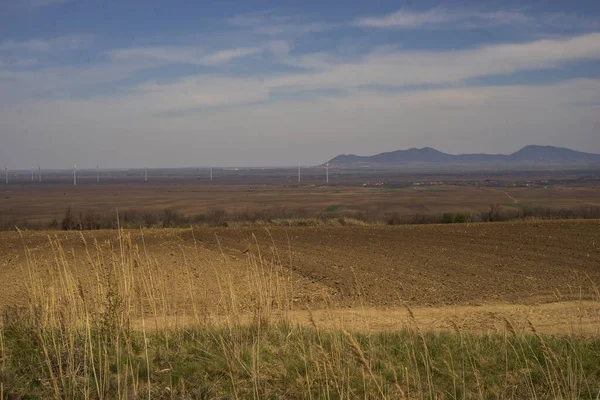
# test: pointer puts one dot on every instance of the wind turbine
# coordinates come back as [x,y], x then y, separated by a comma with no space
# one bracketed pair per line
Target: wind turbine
[97,174]
[327,173]
[32,169]
[6,175]
[39,173]
[299,175]
[211,172]
[75,174]
[145,174]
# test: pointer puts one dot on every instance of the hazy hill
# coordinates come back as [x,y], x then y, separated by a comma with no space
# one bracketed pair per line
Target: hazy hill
[427,155]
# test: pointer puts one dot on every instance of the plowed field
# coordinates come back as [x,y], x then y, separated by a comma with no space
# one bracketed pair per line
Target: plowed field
[477,273]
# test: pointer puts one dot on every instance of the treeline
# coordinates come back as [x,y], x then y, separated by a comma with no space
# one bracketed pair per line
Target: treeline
[281,216]
[497,213]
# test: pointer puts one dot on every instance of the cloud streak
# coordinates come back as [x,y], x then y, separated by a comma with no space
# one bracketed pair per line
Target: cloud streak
[403,68]
[184,54]
[225,56]
[271,24]
[45,3]
[58,44]
[437,17]
[382,67]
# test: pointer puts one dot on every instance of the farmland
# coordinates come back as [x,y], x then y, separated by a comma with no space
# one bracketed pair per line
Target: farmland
[357,310]
[373,196]
[520,263]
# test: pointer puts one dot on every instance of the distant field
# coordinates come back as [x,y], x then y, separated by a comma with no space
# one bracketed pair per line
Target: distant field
[39,203]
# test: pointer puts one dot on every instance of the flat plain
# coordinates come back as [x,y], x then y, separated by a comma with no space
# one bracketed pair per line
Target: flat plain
[373,195]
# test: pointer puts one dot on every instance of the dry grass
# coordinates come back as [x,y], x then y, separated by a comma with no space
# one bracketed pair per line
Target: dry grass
[71,344]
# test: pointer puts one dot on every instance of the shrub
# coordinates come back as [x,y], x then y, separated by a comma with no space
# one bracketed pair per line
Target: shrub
[67,221]
[461,218]
[448,218]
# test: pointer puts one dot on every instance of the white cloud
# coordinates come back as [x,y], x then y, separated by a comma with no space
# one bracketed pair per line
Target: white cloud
[8,62]
[58,44]
[190,93]
[402,68]
[441,16]
[257,18]
[272,24]
[184,54]
[59,81]
[21,86]
[383,67]
[294,29]
[562,20]
[225,56]
[18,55]
[279,48]
[45,3]
[169,54]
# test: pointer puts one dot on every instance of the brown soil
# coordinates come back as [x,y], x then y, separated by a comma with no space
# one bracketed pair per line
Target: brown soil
[480,273]
[437,264]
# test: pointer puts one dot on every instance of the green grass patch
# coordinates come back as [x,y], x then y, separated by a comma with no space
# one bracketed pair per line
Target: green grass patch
[515,205]
[332,208]
[279,360]
[435,190]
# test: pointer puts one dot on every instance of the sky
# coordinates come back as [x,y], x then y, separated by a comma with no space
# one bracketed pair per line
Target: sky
[185,83]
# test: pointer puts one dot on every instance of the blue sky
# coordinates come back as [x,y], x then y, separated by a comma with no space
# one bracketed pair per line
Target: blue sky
[190,83]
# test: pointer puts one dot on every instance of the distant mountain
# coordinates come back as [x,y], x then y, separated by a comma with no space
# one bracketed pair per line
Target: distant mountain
[553,154]
[527,155]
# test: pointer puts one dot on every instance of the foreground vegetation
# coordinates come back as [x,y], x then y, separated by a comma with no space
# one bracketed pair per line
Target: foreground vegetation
[117,342]
[263,360]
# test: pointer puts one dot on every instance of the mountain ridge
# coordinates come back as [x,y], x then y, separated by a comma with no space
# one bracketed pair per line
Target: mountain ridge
[529,154]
